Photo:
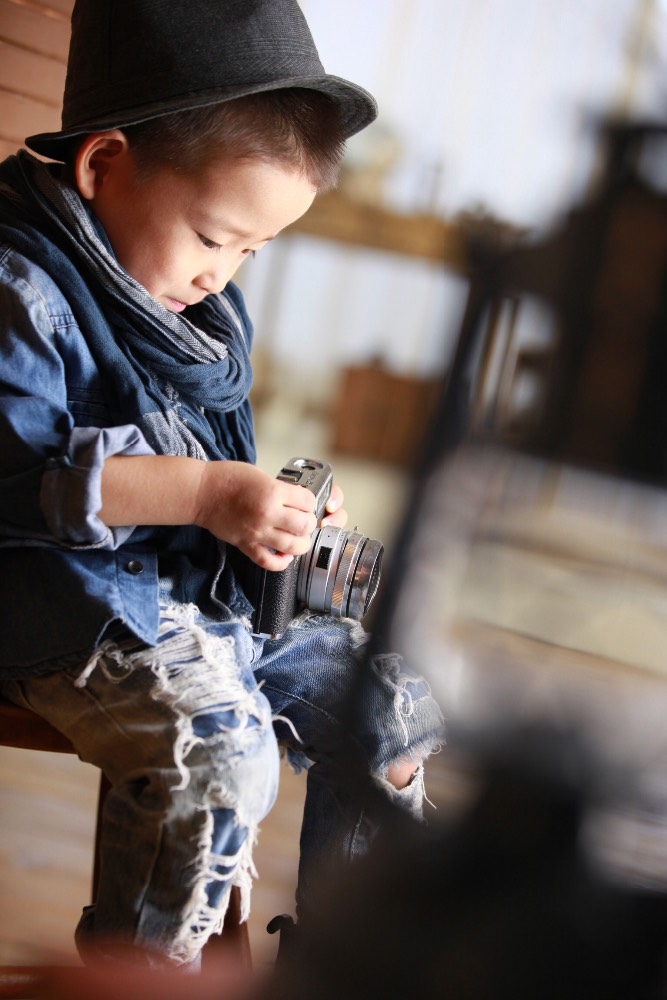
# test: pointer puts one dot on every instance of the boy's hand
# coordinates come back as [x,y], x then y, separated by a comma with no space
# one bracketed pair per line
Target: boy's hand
[270,521]
[335,515]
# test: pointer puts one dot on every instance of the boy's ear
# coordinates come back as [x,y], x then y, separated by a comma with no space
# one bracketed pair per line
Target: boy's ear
[97,155]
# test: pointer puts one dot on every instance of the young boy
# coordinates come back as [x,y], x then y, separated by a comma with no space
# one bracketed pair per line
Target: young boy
[192,135]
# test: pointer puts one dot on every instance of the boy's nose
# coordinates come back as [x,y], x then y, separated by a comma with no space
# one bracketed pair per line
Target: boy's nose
[214,280]
[216,275]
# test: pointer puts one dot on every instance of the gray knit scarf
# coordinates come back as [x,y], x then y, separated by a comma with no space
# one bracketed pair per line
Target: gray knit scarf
[183,378]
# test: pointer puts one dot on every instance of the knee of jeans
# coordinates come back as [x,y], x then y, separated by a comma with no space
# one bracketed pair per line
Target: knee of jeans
[239,771]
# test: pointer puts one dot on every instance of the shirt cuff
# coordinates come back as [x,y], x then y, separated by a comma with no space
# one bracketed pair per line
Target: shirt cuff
[71,490]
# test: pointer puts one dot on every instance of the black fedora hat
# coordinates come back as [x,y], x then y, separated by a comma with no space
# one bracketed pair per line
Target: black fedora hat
[132,60]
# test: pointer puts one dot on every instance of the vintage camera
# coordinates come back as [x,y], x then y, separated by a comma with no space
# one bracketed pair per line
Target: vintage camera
[339,575]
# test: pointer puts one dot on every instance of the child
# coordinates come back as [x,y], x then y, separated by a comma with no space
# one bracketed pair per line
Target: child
[192,134]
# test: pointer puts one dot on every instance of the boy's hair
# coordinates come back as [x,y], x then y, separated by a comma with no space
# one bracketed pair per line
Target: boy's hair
[294,127]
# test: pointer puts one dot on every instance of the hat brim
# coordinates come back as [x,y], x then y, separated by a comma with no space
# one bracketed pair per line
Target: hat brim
[357,108]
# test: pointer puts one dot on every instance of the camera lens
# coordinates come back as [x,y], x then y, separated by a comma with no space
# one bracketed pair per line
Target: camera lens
[340,574]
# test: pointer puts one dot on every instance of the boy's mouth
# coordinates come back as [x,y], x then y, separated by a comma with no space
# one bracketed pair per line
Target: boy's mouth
[175,305]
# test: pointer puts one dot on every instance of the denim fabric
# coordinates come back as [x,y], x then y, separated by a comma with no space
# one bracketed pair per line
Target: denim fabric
[343,711]
[65,576]
[184,735]
[188,733]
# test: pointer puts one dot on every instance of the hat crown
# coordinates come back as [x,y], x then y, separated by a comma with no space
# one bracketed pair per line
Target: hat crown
[132,54]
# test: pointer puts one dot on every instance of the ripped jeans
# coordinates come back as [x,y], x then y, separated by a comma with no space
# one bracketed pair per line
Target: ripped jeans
[189,735]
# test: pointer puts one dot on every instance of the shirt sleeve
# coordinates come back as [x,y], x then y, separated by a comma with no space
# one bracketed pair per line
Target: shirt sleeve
[51,461]
[71,485]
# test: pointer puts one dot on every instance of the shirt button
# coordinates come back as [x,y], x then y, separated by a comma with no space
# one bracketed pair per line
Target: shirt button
[135,567]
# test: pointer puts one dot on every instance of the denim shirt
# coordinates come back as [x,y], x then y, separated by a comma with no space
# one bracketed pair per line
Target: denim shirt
[64,575]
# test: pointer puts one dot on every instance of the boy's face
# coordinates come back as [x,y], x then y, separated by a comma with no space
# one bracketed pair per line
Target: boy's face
[183,237]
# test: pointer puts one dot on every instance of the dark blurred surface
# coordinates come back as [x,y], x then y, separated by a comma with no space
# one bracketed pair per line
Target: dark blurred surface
[529,586]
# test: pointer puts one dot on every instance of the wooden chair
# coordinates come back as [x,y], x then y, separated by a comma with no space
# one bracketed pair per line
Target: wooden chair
[21,728]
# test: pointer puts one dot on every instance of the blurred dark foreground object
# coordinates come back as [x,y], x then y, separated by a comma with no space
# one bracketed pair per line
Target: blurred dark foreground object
[509,902]
[502,905]
[554,410]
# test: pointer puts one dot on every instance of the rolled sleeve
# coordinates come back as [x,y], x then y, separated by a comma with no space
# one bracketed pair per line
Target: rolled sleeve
[71,488]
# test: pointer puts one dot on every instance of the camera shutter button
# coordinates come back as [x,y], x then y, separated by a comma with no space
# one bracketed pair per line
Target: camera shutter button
[135,567]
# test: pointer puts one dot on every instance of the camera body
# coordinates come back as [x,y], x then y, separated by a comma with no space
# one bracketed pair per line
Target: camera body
[339,575]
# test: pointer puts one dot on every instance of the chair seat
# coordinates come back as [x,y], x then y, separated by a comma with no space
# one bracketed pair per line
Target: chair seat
[19,727]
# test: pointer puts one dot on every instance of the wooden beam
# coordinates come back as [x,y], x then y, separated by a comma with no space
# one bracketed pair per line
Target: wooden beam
[334,216]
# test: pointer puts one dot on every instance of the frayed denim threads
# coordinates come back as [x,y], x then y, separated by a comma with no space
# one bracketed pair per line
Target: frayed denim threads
[188,733]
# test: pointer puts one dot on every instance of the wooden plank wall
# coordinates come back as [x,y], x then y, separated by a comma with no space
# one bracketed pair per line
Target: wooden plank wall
[34,37]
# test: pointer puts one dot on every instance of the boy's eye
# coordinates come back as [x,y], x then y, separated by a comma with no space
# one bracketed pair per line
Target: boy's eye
[209,244]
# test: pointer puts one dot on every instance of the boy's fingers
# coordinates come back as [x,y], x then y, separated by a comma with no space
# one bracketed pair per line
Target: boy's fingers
[336,520]
[299,498]
[267,558]
[335,501]
[290,544]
